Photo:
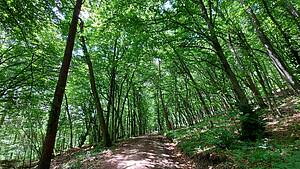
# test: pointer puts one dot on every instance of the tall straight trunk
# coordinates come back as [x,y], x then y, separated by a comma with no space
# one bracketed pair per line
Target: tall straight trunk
[128,117]
[278,62]
[88,125]
[70,121]
[165,109]
[140,113]
[176,109]
[250,124]
[99,109]
[160,128]
[120,117]
[133,121]
[247,50]
[196,86]
[111,97]
[248,79]
[49,141]
[286,37]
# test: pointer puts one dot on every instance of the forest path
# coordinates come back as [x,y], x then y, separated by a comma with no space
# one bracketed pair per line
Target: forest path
[144,152]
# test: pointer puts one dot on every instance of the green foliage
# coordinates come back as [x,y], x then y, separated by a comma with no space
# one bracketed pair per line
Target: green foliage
[226,139]
[261,154]
[201,137]
[128,38]
[76,165]
[290,162]
[252,126]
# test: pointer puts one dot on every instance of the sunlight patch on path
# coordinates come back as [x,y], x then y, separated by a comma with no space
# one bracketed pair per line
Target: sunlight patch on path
[146,152]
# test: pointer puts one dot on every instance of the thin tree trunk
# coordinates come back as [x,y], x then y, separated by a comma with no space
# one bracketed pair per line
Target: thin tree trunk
[88,124]
[128,117]
[133,121]
[158,111]
[286,37]
[165,109]
[250,124]
[248,80]
[111,97]
[120,123]
[49,141]
[282,68]
[176,109]
[196,86]
[140,113]
[70,121]
[100,112]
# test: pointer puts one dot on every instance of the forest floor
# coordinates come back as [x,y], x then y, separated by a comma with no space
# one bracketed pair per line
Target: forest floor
[219,146]
[144,152]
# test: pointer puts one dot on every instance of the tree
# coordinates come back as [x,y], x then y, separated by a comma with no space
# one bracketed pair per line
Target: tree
[49,141]
[103,124]
[281,66]
[212,64]
[251,123]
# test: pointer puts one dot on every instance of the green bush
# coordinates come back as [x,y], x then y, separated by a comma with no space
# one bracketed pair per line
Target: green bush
[252,126]
[226,139]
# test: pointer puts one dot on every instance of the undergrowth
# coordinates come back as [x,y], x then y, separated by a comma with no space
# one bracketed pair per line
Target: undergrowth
[220,146]
[77,157]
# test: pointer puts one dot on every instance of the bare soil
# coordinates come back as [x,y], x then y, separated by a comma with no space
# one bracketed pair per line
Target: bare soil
[144,152]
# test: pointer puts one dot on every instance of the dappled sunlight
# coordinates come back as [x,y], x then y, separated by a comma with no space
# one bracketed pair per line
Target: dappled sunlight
[286,126]
[140,153]
[205,149]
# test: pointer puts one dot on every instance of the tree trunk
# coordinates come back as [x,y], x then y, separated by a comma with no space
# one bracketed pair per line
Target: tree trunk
[140,113]
[247,50]
[282,68]
[165,109]
[196,86]
[88,125]
[70,121]
[286,37]
[133,121]
[49,142]
[100,114]
[248,80]
[120,117]
[160,128]
[112,88]
[250,124]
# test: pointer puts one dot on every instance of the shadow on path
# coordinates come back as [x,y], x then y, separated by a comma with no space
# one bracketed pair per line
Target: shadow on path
[145,152]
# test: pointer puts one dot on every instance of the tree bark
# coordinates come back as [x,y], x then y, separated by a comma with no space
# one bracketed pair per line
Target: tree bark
[160,128]
[100,112]
[49,141]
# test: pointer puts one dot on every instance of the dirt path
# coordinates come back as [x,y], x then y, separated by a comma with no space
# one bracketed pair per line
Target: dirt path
[145,152]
